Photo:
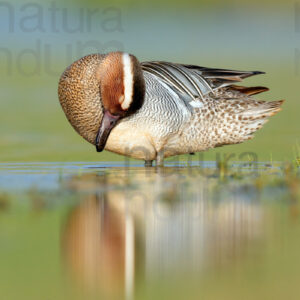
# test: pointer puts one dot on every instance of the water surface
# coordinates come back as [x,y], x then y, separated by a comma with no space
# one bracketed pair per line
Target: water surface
[116,231]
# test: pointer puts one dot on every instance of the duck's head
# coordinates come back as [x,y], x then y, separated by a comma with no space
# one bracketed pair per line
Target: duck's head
[122,90]
[98,90]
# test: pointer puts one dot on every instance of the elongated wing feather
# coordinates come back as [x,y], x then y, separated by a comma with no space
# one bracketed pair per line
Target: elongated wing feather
[194,81]
[184,81]
[222,77]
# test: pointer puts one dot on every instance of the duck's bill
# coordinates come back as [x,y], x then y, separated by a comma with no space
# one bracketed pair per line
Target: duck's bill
[107,124]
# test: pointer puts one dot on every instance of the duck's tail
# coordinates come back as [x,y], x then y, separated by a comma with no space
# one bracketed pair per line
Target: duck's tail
[244,117]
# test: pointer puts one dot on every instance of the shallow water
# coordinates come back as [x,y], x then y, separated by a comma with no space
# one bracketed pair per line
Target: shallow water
[114,231]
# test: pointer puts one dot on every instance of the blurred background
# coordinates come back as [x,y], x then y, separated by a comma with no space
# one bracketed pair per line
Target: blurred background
[74,230]
[41,38]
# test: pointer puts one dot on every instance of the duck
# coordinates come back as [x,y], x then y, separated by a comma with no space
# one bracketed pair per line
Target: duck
[153,110]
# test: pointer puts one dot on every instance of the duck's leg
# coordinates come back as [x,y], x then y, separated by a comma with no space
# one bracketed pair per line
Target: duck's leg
[160,159]
[148,163]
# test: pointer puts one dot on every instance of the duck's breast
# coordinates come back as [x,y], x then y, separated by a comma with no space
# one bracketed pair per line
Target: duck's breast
[148,131]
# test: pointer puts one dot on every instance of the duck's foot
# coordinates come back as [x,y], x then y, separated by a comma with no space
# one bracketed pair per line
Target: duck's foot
[160,159]
[148,163]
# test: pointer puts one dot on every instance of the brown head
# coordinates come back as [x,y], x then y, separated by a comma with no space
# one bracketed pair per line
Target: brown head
[122,90]
[98,90]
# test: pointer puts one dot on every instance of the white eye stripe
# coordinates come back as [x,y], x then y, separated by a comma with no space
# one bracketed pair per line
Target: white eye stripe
[128,81]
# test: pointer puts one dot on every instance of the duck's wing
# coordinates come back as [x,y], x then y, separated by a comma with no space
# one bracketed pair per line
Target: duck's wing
[192,81]
[222,77]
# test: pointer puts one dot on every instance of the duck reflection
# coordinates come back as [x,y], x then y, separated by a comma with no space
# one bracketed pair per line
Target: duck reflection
[144,225]
[94,245]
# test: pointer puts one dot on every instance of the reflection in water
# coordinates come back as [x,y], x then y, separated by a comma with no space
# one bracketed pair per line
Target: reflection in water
[145,225]
[94,245]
